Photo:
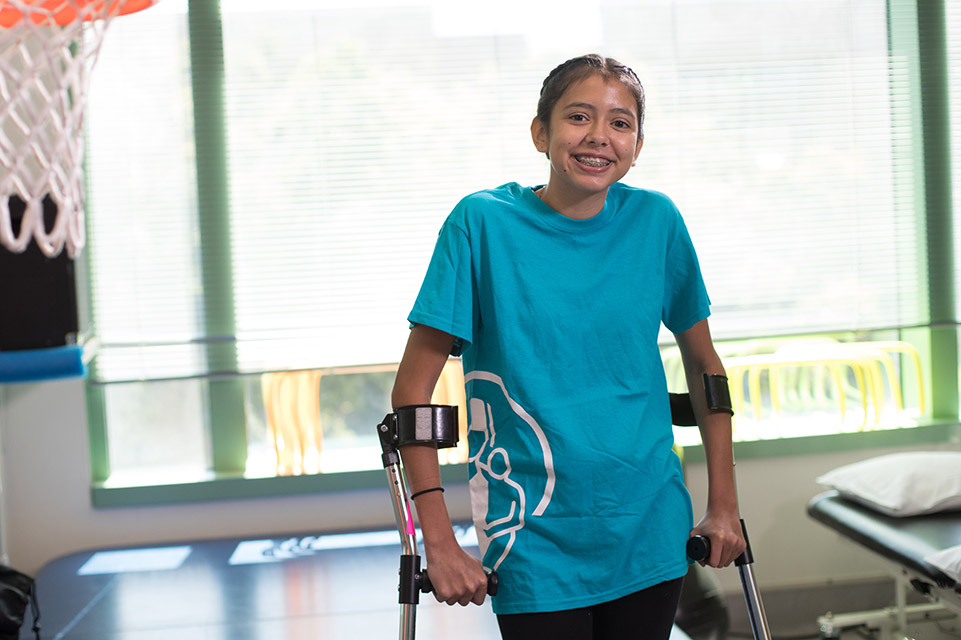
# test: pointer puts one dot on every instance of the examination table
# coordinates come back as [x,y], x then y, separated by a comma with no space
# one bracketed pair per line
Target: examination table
[904,543]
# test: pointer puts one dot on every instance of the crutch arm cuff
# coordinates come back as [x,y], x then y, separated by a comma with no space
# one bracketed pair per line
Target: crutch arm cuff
[717,393]
[435,424]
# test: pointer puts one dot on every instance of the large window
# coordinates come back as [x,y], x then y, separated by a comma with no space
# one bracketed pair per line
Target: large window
[265,188]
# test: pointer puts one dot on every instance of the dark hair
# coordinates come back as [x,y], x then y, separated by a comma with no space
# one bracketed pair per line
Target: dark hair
[576,69]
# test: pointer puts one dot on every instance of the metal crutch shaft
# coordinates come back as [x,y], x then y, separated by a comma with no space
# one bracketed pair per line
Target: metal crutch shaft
[408,602]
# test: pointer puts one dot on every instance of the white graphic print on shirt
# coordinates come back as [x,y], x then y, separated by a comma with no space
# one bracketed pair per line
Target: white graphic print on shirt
[492,465]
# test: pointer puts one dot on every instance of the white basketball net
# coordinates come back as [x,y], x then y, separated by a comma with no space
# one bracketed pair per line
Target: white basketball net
[43,80]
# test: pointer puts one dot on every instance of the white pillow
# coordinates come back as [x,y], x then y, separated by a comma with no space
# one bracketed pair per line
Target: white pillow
[948,561]
[902,484]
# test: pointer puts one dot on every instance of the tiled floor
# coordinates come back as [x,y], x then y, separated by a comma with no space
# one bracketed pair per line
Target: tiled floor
[287,588]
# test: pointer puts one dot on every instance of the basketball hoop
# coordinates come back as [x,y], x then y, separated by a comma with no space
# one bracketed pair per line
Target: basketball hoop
[47,49]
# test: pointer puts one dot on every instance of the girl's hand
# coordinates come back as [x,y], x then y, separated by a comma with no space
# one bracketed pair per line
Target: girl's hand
[457,576]
[726,536]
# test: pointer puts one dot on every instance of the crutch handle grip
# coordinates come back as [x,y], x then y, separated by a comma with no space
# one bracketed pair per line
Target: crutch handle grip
[698,548]
[427,587]
[492,583]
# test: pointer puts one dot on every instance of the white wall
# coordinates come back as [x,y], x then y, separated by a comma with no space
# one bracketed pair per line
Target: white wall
[47,512]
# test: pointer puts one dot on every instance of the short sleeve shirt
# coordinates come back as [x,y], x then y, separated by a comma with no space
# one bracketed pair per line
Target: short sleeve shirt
[576,493]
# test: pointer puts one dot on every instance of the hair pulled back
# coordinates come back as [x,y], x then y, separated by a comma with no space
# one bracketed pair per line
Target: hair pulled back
[576,69]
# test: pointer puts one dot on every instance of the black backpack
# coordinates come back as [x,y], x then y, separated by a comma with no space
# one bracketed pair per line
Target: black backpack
[16,592]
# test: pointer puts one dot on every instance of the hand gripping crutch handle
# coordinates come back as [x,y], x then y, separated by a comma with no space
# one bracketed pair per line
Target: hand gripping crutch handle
[427,587]
[699,548]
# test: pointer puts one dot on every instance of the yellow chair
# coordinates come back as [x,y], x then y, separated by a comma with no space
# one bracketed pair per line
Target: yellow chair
[292,408]
[450,391]
[870,364]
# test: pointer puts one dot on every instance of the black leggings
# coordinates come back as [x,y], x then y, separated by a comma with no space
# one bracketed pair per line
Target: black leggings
[645,615]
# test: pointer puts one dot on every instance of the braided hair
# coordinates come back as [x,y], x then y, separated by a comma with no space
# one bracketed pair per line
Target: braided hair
[576,69]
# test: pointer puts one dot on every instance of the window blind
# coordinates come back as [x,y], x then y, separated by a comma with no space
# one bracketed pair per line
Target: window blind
[953,36]
[143,249]
[780,130]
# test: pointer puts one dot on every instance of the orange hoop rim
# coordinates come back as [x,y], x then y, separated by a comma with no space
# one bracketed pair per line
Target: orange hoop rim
[64,12]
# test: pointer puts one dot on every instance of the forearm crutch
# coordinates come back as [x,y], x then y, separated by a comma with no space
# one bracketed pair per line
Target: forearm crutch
[699,547]
[423,424]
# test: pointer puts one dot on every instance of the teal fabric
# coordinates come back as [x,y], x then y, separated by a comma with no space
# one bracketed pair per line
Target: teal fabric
[577,495]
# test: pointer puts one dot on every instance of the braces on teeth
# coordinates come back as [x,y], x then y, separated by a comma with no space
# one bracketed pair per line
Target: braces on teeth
[593,162]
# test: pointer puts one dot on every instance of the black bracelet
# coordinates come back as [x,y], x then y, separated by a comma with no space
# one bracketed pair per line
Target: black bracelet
[420,493]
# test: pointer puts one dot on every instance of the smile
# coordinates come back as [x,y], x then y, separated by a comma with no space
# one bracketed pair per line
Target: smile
[591,161]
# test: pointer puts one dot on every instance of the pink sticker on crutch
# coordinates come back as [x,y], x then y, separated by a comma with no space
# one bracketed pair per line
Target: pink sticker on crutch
[410,522]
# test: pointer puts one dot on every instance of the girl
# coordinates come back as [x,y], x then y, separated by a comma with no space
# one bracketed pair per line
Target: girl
[554,295]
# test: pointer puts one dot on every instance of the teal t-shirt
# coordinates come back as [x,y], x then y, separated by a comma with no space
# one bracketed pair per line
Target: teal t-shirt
[576,493]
